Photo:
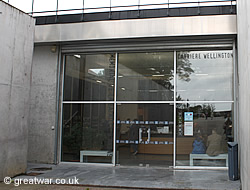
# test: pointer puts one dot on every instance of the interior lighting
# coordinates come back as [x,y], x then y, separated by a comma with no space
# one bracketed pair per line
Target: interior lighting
[98,81]
[153,90]
[123,88]
[158,75]
[77,56]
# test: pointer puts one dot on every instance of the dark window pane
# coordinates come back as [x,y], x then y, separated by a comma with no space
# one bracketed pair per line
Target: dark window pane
[89,77]
[87,133]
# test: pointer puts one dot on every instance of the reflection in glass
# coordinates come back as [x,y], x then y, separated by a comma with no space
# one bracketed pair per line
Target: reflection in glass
[89,77]
[210,128]
[210,75]
[145,76]
[144,134]
[87,133]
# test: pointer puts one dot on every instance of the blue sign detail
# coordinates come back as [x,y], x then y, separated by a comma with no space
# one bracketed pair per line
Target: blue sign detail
[188,116]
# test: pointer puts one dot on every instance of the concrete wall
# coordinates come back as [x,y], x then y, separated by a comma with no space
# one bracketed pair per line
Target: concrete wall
[43,105]
[244,89]
[16,45]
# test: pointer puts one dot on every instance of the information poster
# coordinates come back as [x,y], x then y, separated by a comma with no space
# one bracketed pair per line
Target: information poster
[188,128]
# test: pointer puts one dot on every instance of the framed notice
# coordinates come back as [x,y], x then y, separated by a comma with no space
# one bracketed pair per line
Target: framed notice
[188,129]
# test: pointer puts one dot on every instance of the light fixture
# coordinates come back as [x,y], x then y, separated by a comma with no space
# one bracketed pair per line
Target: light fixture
[153,90]
[98,81]
[123,88]
[158,75]
[210,90]
[53,49]
[120,76]
[77,56]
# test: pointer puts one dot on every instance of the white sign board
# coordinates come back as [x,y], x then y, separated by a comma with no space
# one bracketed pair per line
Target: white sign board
[188,128]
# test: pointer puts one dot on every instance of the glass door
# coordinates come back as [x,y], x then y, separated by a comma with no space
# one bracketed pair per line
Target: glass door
[145,134]
[145,109]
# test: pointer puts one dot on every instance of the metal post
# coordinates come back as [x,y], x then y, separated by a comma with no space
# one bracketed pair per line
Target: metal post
[138,8]
[168,9]
[32,8]
[56,10]
[199,12]
[175,66]
[115,104]
[231,6]
[110,8]
[82,10]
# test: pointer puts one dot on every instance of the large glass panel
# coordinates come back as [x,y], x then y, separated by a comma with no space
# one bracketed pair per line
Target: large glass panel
[45,5]
[24,5]
[89,77]
[145,134]
[66,5]
[203,130]
[96,6]
[145,76]
[87,133]
[205,75]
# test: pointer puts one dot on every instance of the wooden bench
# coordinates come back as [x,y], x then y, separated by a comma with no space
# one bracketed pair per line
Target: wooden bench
[207,157]
[93,153]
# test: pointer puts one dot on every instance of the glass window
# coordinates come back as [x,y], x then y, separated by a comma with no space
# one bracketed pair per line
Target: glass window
[24,5]
[205,75]
[128,3]
[87,133]
[145,76]
[66,5]
[45,5]
[89,77]
[91,6]
[203,131]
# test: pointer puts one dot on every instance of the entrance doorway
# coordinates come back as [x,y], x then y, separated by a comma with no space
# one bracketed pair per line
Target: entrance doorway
[145,137]
[145,109]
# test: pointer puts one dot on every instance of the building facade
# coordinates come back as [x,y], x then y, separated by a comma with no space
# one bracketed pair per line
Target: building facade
[165,88]
[138,91]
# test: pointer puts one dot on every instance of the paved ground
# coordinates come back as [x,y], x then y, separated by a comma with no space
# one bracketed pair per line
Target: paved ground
[108,177]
